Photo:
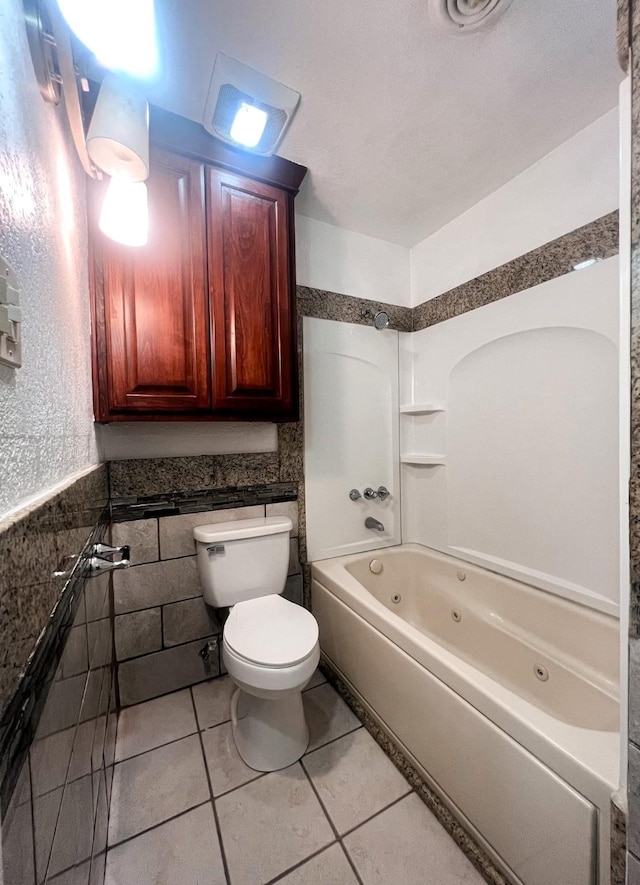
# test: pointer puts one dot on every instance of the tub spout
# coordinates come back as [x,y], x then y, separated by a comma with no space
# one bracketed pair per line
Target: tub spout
[371,523]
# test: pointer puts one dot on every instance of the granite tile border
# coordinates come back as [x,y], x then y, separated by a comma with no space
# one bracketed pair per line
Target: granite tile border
[21,714]
[34,543]
[599,239]
[161,476]
[618,844]
[445,816]
[623,33]
[324,305]
[132,508]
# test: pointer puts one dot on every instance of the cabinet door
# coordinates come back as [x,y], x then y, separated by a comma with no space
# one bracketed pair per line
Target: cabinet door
[152,353]
[250,285]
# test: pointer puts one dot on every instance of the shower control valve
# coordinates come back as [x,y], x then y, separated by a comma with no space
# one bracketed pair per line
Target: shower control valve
[355,495]
[370,494]
[384,493]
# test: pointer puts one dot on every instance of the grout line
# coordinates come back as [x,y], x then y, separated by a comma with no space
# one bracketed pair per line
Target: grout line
[377,813]
[332,741]
[301,863]
[173,690]
[331,824]
[213,803]
[155,826]
[152,749]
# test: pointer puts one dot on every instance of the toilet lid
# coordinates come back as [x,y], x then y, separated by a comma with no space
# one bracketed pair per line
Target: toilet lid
[271,631]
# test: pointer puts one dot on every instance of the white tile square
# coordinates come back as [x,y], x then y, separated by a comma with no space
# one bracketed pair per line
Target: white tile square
[354,779]
[330,867]
[184,850]
[327,715]
[402,843]
[154,723]
[149,789]
[270,825]
[213,701]
[226,768]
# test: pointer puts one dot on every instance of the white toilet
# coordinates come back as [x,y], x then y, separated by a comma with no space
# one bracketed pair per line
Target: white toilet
[270,645]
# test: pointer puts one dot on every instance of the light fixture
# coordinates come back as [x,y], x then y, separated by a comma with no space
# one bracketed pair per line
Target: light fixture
[120,33]
[118,136]
[125,212]
[246,108]
[581,265]
[248,125]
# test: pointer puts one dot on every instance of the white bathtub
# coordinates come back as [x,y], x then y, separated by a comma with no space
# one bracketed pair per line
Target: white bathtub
[504,697]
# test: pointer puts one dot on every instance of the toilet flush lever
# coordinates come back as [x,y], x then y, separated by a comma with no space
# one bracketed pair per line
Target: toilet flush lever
[216,548]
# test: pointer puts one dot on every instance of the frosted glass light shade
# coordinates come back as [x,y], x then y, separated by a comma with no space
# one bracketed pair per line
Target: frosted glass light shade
[125,212]
[118,136]
[121,33]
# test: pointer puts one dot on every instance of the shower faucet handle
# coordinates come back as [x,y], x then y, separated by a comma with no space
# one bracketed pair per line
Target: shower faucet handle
[355,495]
[384,493]
[370,494]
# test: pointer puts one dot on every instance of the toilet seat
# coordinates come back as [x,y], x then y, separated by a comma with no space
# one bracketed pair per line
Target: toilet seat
[271,632]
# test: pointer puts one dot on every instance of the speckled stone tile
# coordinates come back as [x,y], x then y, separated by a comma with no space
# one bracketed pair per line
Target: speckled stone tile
[470,848]
[598,238]
[325,305]
[34,543]
[623,35]
[245,470]
[149,476]
[618,845]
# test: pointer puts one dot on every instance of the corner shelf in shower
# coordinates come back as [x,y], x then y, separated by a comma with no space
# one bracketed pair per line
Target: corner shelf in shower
[423,460]
[421,408]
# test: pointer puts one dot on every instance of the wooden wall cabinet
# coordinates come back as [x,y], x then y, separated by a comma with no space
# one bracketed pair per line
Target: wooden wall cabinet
[199,324]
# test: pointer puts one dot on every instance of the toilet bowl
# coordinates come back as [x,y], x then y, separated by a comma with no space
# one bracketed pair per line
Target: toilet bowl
[270,649]
[270,646]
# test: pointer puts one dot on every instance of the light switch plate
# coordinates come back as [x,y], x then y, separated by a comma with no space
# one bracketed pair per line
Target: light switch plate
[10,325]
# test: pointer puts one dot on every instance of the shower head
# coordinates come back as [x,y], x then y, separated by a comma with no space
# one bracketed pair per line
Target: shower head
[381,320]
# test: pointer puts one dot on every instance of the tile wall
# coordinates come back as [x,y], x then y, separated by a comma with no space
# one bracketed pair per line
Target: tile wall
[58,724]
[162,623]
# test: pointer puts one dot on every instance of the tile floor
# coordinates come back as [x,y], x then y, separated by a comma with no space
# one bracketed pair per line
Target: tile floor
[186,809]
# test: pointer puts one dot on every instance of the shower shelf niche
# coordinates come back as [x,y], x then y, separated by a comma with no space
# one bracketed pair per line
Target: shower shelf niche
[423,460]
[421,408]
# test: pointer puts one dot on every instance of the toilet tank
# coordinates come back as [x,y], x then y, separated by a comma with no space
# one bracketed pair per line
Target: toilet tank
[243,559]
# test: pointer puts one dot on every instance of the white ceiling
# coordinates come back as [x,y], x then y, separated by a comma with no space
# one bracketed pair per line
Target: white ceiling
[402,125]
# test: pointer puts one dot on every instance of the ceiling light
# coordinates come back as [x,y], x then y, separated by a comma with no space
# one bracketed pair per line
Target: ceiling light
[235,86]
[125,212]
[248,125]
[118,136]
[581,265]
[120,33]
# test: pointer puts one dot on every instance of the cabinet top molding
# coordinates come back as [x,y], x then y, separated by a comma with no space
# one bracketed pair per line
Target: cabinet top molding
[175,133]
[183,136]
